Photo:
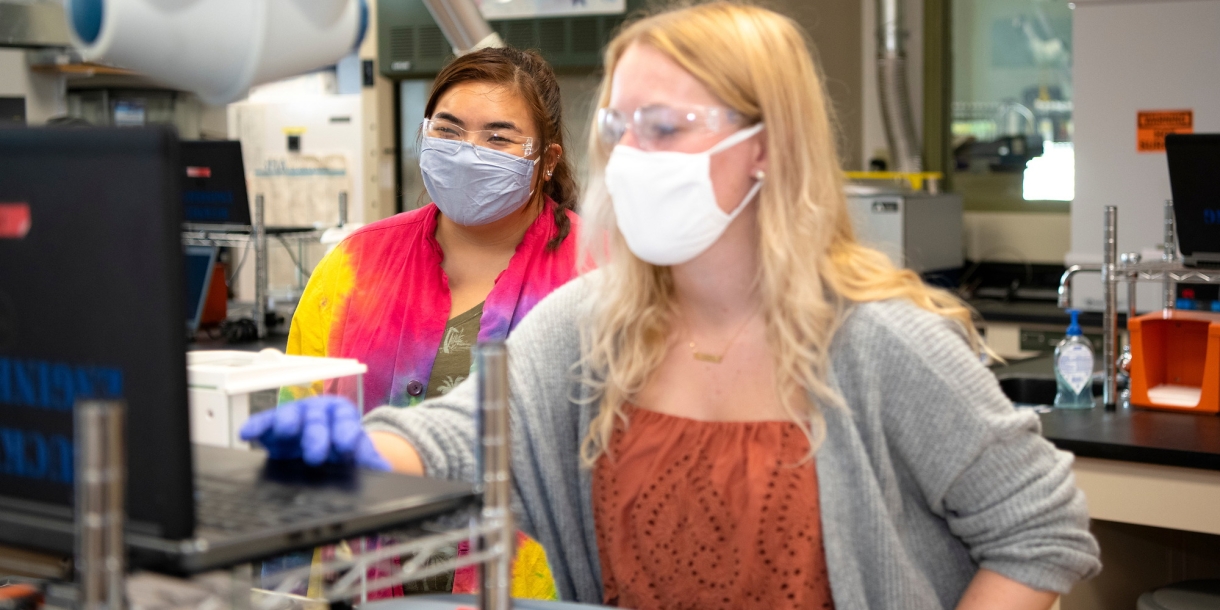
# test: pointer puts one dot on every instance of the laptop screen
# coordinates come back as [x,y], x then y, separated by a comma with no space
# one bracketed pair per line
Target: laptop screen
[1194,178]
[214,184]
[91,307]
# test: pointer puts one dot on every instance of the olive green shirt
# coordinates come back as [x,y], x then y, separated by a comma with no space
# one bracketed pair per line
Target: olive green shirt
[452,364]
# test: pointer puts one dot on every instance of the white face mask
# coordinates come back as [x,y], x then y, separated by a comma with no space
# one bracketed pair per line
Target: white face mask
[664,202]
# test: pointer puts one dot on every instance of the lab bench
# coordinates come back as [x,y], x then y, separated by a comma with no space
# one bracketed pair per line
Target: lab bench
[1152,482]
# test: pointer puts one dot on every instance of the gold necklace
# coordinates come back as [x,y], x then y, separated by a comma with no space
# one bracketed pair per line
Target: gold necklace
[714,358]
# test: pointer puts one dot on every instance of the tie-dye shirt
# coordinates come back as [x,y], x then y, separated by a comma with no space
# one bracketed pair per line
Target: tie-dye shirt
[382,298]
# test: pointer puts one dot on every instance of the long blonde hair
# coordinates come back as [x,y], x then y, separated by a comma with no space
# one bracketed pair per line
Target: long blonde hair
[811,267]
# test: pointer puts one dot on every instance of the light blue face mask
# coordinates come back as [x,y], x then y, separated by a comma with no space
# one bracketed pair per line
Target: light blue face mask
[473,185]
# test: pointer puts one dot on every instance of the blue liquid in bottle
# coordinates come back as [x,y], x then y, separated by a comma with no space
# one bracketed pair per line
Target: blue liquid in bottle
[1074,368]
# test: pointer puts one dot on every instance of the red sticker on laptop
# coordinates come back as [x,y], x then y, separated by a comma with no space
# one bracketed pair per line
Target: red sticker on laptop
[198,172]
[14,220]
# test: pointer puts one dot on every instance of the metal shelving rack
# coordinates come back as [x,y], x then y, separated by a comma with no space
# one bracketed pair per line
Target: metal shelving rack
[492,531]
[257,237]
[1129,268]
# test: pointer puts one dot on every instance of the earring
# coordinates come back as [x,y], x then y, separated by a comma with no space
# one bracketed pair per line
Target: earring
[760,175]
[549,172]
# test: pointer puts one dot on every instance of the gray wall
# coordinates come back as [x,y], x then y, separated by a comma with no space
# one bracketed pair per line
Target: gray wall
[44,93]
[836,29]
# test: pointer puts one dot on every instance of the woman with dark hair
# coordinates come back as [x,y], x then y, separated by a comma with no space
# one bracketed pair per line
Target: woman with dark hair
[410,295]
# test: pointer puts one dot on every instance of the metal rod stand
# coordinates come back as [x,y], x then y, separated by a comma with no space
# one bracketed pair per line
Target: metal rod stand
[1169,251]
[492,367]
[342,209]
[1109,284]
[259,233]
[100,472]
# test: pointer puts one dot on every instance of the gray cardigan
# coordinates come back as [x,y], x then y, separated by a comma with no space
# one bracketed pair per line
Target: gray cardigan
[926,476]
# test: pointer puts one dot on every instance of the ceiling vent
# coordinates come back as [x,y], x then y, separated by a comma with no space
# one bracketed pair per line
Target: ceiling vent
[412,46]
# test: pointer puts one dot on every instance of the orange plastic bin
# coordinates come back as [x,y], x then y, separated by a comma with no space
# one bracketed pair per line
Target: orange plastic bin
[1175,361]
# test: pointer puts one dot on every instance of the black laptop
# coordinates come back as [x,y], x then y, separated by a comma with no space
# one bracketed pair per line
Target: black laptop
[214,195]
[1194,178]
[91,302]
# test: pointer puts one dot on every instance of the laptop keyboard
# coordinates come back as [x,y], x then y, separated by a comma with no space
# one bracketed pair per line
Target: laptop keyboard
[234,507]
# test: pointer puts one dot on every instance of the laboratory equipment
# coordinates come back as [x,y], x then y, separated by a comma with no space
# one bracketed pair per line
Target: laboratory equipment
[224,387]
[218,48]
[217,211]
[1131,269]
[1173,363]
[1175,360]
[917,230]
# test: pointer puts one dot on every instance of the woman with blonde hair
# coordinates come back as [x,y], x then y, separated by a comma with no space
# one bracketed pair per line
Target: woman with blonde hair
[743,407]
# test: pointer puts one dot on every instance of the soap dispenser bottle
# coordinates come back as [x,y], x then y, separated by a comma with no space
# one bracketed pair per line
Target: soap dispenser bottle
[1074,368]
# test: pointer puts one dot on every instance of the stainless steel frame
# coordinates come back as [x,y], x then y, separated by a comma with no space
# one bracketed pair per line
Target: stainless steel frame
[492,532]
[100,519]
[259,234]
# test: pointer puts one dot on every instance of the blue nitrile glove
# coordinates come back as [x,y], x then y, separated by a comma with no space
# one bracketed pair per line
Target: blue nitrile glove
[317,429]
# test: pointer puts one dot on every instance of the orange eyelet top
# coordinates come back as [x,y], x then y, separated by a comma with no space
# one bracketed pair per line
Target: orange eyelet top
[708,515]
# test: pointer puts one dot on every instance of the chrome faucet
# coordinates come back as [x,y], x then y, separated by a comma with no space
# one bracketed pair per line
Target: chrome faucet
[1065,282]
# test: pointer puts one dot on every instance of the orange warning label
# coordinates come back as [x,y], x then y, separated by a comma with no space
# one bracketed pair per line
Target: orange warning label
[1152,125]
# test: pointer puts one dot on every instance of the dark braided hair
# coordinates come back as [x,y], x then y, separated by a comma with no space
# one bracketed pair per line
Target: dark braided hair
[535,82]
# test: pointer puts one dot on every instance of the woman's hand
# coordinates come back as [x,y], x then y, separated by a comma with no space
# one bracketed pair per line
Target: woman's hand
[319,430]
[991,591]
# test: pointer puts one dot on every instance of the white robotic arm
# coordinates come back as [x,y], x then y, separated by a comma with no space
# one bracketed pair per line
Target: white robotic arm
[217,49]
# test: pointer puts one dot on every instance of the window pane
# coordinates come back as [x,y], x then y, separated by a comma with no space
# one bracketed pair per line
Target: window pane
[1012,103]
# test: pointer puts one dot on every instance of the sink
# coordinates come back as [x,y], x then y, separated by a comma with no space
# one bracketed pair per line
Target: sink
[1030,390]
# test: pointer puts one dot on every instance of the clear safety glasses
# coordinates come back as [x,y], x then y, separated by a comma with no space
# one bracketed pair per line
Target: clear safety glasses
[659,127]
[506,142]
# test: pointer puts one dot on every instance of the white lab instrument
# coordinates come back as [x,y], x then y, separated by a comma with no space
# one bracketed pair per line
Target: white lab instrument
[917,230]
[221,384]
[217,48]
